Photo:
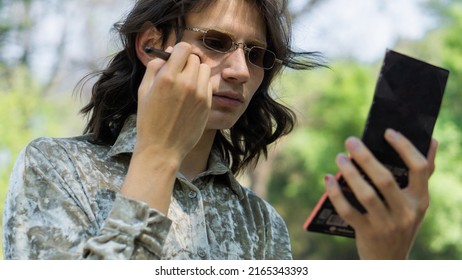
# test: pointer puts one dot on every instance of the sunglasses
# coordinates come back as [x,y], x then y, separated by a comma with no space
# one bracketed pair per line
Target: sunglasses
[223,43]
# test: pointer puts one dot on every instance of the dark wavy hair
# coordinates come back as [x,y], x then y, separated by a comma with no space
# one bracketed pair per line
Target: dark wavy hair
[114,95]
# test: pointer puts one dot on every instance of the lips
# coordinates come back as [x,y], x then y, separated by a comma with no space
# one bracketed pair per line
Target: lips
[228,98]
[230,95]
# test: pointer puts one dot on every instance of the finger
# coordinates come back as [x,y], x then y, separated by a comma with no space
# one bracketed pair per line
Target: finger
[365,194]
[341,204]
[431,156]
[191,69]
[180,57]
[414,160]
[152,69]
[156,63]
[380,176]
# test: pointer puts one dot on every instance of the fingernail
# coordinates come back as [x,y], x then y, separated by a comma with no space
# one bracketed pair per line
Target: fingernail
[352,143]
[329,180]
[392,134]
[342,159]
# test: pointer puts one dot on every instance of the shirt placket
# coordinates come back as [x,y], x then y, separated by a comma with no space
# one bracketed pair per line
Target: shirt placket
[198,222]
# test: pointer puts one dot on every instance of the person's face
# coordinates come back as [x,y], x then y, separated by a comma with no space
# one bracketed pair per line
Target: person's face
[234,79]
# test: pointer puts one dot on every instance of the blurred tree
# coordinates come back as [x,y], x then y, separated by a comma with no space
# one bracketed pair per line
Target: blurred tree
[441,235]
[333,105]
[25,115]
[20,34]
[259,177]
[303,7]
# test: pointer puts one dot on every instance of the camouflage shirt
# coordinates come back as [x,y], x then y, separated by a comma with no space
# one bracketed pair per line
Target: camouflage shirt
[63,202]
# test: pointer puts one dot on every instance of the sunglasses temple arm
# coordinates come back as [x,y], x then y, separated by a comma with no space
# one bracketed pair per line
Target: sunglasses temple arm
[278,61]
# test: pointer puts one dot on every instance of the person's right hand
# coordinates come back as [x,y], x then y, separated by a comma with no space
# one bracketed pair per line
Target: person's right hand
[174,101]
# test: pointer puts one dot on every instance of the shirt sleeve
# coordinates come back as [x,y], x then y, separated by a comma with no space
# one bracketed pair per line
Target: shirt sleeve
[131,231]
[45,216]
[279,247]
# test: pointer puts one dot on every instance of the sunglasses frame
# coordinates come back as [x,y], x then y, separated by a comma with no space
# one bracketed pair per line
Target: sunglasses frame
[234,46]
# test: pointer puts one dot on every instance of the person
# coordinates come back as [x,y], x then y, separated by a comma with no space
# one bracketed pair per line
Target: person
[154,175]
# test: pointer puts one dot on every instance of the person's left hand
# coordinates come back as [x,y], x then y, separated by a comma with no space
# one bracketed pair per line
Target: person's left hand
[388,229]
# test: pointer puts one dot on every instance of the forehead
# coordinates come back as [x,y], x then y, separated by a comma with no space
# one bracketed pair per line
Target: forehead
[239,17]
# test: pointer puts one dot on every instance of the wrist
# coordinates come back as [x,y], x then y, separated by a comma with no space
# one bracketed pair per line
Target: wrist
[151,177]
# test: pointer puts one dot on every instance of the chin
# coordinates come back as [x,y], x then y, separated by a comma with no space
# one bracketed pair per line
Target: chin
[221,125]
[219,121]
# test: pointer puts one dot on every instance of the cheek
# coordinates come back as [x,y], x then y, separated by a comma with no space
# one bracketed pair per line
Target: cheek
[255,82]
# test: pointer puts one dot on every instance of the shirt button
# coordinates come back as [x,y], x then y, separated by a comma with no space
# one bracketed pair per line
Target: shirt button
[192,194]
[201,253]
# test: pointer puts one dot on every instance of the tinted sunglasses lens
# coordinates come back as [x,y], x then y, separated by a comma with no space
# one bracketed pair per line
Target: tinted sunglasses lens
[222,42]
[218,41]
[262,57]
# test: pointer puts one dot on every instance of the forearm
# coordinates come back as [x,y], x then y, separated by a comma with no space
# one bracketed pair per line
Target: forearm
[52,214]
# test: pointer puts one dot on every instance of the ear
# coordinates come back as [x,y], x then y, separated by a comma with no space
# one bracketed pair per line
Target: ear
[151,36]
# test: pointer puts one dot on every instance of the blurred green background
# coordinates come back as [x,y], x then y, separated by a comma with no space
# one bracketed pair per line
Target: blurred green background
[46,46]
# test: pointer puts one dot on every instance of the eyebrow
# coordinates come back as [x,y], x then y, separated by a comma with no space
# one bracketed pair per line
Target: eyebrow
[251,42]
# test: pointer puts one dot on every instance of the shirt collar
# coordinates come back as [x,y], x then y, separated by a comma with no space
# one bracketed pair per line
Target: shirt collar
[217,166]
[125,144]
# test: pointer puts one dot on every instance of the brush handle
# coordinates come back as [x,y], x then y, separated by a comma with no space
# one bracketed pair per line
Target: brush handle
[157,53]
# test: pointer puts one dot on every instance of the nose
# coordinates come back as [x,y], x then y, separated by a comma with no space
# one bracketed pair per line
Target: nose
[235,66]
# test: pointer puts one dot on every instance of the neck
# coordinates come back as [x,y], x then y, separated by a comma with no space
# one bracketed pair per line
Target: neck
[196,161]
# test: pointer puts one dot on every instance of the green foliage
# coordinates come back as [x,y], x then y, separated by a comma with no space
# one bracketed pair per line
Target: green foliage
[442,231]
[26,114]
[333,105]
[452,59]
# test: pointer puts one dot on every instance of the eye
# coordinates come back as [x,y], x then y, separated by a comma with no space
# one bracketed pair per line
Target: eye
[256,55]
[215,44]
[218,41]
